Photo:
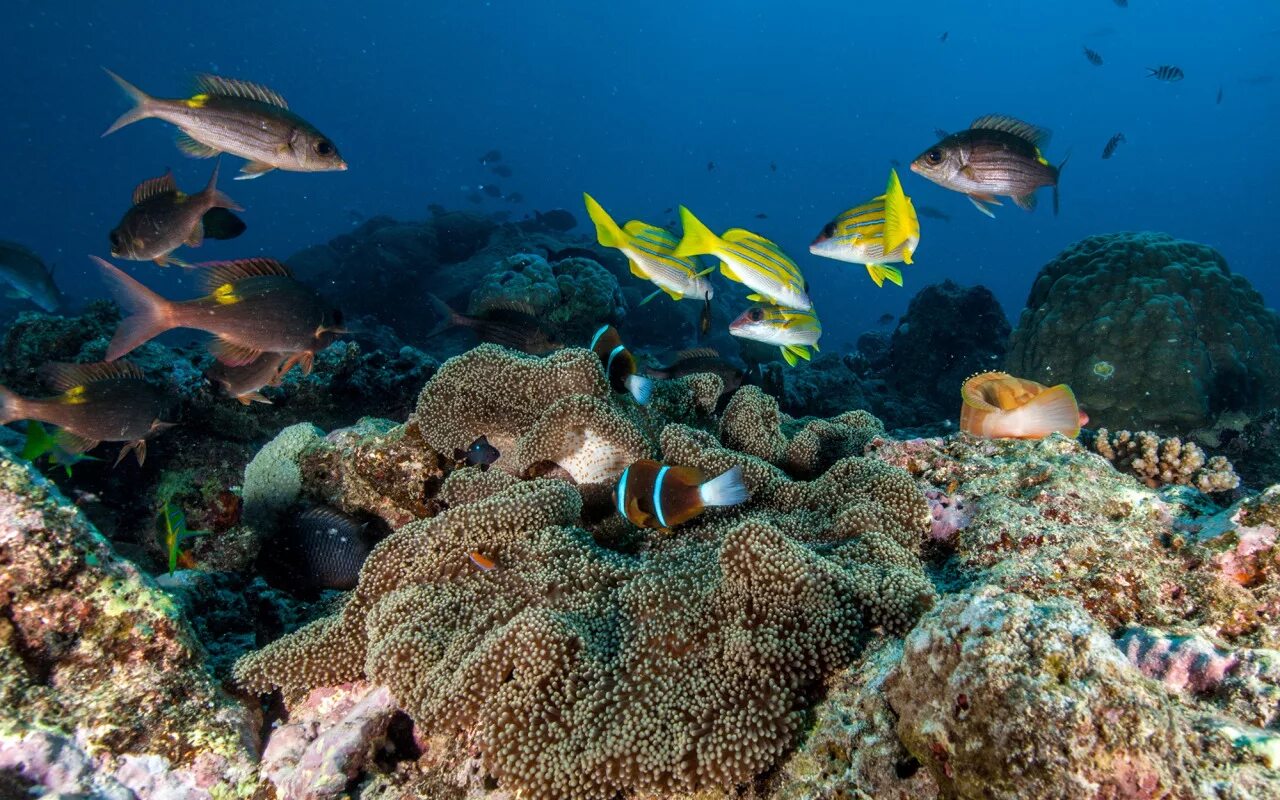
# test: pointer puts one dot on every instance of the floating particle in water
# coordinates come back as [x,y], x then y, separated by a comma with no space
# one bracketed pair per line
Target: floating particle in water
[1104,370]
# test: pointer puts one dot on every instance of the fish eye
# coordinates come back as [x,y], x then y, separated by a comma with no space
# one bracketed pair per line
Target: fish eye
[829,230]
[324,147]
[934,156]
[755,314]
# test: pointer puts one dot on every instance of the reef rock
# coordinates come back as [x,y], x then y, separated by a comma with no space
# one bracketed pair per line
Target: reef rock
[1150,332]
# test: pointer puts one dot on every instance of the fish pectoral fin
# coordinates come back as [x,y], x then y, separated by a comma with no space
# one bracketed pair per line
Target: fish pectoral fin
[728,272]
[231,354]
[253,397]
[800,350]
[758,298]
[978,205]
[789,356]
[195,149]
[253,169]
[882,272]
[196,238]
[674,294]
[635,269]
[1025,201]
[73,443]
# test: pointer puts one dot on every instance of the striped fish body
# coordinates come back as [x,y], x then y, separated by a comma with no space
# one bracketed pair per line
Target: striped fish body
[794,331]
[761,265]
[1167,73]
[617,360]
[650,251]
[857,236]
[653,495]
[995,163]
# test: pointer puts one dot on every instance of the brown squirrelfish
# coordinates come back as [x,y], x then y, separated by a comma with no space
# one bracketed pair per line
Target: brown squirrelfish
[237,117]
[29,278]
[245,382]
[509,324]
[254,306]
[162,219]
[996,156]
[106,402]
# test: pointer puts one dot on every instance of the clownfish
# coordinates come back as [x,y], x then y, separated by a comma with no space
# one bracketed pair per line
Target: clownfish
[654,495]
[997,405]
[620,365]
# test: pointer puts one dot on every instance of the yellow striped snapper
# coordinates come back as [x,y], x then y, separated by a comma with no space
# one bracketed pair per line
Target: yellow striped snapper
[747,258]
[875,234]
[649,250]
[794,331]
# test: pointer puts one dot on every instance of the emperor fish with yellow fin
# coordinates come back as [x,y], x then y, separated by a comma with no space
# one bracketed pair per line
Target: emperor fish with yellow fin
[650,252]
[875,234]
[237,117]
[747,258]
[997,156]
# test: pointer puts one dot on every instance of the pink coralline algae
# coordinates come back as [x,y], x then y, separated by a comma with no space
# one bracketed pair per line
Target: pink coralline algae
[1182,663]
[950,514]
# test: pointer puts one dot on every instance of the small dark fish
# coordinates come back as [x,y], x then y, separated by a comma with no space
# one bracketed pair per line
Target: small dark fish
[704,318]
[762,215]
[475,197]
[491,189]
[1219,96]
[1112,144]
[1093,56]
[514,197]
[1122,3]
[1167,73]
[162,219]
[932,213]
[502,171]
[28,277]
[667,210]
[244,119]
[322,548]
[511,325]
[655,495]
[943,37]
[885,319]
[478,454]
[893,162]
[556,220]
[245,382]
[105,402]
[491,157]
[773,166]
[619,365]
[703,359]
[711,165]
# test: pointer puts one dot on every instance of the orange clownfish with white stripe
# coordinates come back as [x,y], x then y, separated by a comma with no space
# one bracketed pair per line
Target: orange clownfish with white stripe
[654,495]
[620,365]
[997,405]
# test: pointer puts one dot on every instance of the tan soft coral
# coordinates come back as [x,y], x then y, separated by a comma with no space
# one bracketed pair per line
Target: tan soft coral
[1168,461]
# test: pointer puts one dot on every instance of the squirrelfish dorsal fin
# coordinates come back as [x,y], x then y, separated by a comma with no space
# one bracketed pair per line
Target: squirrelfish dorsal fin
[219,273]
[697,352]
[230,87]
[1023,130]
[165,184]
[62,376]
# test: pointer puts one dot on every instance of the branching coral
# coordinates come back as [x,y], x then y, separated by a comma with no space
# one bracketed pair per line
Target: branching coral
[1160,462]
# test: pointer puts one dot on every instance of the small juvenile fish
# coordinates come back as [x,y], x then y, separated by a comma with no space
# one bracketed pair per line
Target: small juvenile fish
[943,37]
[481,561]
[1112,144]
[28,277]
[620,365]
[794,331]
[1167,73]
[711,165]
[654,495]
[95,403]
[882,231]
[509,324]
[773,166]
[254,306]
[162,219]
[703,359]
[39,443]
[762,215]
[175,533]
[997,405]
[237,117]
[245,382]
[746,258]
[478,454]
[650,251]
[1093,57]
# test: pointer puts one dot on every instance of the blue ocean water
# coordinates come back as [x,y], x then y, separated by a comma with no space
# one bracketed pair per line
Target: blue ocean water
[631,101]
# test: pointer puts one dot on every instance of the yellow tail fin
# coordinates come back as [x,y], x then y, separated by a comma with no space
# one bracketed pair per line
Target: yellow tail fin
[698,240]
[900,223]
[607,231]
[879,272]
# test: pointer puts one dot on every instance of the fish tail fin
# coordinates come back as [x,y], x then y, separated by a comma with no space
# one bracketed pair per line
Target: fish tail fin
[640,388]
[448,317]
[1056,180]
[882,272]
[151,314]
[608,233]
[215,198]
[143,104]
[726,489]
[697,239]
[11,406]
[898,215]
[1054,409]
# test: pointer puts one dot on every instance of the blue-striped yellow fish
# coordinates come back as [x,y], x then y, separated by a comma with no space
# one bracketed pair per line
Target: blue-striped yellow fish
[876,234]
[649,249]
[793,330]
[747,258]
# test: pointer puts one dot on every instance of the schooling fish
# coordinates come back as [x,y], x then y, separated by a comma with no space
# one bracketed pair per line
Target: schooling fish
[877,233]
[245,382]
[478,454]
[703,359]
[321,548]
[650,251]
[502,171]
[1093,57]
[509,324]
[929,212]
[654,495]
[237,117]
[254,306]
[1167,73]
[620,365]
[997,156]
[746,258]
[997,405]
[1112,144]
[28,277]
[162,219]
[491,157]
[794,331]
[96,403]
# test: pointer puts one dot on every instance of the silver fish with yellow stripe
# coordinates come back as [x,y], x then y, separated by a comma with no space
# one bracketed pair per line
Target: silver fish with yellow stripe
[747,258]
[875,234]
[793,330]
[650,252]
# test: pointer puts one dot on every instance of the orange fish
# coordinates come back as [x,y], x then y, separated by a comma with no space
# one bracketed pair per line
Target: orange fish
[482,562]
[997,405]
[654,495]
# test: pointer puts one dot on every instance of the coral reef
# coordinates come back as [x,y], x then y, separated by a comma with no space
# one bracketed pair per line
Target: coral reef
[573,297]
[1149,331]
[1160,462]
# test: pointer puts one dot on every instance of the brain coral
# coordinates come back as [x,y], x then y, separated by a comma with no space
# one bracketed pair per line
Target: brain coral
[1150,332]
[580,671]
[573,296]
